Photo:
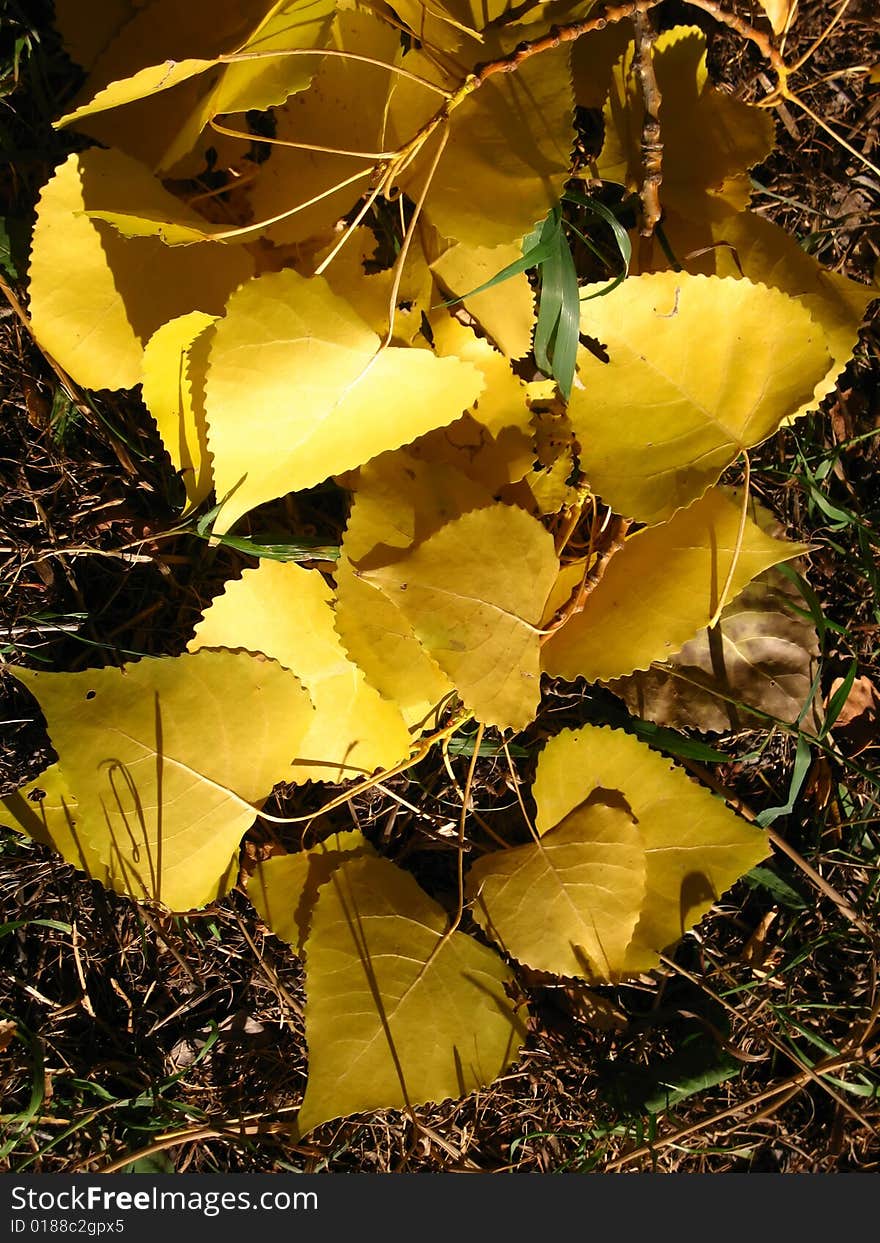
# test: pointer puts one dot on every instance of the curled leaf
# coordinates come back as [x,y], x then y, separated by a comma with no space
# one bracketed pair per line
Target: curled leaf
[694,847]
[568,903]
[176,402]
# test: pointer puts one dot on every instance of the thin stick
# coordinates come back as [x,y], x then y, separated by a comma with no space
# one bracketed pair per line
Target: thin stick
[760,38]
[462,821]
[297,146]
[737,548]
[227,234]
[238,57]
[817,43]
[408,237]
[814,116]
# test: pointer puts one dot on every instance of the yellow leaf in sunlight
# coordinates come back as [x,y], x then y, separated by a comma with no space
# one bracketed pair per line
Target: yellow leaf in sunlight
[299,388]
[284,888]
[694,847]
[508,151]
[96,298]
[568,903]
[398,1011]
[159,82]
[286,612]
[176,402]
[506,311]
[661,588]
[376,634]
[502,403]
[398,500]
[165,759]
[710,139]
[493,443]
[45,810]
[474,594]
[700,368]
[744,245]
[345,108]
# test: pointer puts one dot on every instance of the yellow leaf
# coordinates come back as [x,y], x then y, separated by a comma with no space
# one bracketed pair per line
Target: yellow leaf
[376,634]
[660,589]
[506,311]
[506,453]
[398,1012]
[450,20]
[695,848]
[159,83]
[700,368]
[502,402]
[344,108]
[267,81]
[398,501]
[350,401]
[743,244]
[284,888]
[509,144]
[568,903]
[474,595]
[96,298]
[779,12]
[496,461]
[165,758]
[151,80]
[176,403]
[286,612]
[709,138]
[46,811]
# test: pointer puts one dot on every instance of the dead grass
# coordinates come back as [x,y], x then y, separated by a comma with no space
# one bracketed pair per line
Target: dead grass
[181,1038]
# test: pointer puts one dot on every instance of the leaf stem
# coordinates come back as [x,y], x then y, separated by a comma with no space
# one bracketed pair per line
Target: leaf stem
[737,548]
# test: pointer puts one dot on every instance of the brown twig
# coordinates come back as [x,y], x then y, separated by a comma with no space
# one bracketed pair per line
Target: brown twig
[652,139]
[611,541]
[556,36]
[761,40]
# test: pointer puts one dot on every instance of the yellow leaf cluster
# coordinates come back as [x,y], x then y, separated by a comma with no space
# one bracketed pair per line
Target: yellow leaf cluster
[630,853]
[334,298]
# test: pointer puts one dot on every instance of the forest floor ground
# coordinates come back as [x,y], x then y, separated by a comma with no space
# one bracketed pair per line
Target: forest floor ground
[177,1042]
